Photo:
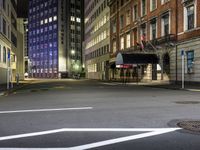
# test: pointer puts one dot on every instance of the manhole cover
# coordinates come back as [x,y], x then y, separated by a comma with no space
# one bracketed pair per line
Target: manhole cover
[193,126]
[187,102]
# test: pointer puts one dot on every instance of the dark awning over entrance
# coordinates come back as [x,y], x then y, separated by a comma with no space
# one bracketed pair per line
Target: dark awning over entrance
[136,58]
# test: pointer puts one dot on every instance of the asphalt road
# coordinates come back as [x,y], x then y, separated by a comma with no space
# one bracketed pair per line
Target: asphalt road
[86,114]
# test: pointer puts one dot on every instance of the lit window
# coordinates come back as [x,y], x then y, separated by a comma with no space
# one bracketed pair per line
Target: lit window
[72,18]
[122,43]
[114,46]
[128,40]
[50,19]
[46,21]
[78,20]
[54,18]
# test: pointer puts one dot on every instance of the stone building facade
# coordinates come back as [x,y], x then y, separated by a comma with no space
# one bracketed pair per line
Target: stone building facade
[97,39]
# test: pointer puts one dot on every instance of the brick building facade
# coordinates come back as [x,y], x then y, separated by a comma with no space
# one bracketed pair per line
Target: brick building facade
[161,27]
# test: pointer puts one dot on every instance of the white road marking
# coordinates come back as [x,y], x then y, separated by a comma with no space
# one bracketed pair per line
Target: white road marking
[194,90]
[150,132]
[111,83]
[45,110]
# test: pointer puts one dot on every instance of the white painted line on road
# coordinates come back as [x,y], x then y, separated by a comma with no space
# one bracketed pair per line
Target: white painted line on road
[45,110]
[111,83]
[150,132]
[194,90]
[120,140]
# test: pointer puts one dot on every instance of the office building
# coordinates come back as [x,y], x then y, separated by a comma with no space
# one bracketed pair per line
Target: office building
[97,39]
[55,37]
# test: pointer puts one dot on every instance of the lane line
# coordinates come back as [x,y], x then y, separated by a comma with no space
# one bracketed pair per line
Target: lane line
[153,132]
[45,110]
[86,130]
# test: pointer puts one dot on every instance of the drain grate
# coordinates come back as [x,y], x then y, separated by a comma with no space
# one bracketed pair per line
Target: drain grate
[187,102]
[193,126]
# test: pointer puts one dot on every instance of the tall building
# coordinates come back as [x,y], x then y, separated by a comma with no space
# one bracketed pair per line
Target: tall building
[97,39]
[55,37]
[8,40]
[21,43]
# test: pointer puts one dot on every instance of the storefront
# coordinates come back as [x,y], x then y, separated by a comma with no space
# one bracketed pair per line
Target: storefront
[135,67]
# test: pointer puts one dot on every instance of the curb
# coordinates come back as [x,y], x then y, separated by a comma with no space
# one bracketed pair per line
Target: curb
[173,88]
[5,93]
[2,93]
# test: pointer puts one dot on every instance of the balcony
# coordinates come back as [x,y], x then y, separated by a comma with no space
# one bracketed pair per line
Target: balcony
[166,41]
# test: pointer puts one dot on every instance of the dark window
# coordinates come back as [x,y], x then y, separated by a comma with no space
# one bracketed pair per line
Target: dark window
[4,54]
[4,27]
[143,7]
[14,39]
[190,61]
[121,21]
[190,17]
[166,24]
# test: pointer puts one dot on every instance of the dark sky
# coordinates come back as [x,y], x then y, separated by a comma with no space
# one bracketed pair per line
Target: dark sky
[22,8]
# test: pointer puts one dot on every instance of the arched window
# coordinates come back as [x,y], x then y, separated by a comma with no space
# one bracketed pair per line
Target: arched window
[4,54]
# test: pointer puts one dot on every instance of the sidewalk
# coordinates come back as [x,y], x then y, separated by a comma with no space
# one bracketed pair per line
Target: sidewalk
[173,86]
[164,85]
[4,91]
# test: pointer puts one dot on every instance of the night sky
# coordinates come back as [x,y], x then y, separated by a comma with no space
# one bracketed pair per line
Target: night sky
[22,8]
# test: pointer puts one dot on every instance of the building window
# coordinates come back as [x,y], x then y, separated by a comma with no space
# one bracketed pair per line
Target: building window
[153,4]
[114,26]
[4,27]
[114,46]
[164,1]
[128,17]
[189,13]
[128,40]
[153,29]
[143,32]
[190,61]
[135,12]
[122,43]
[121,21]
[143,7]
[4,4]
[165,25]
[4,54]
[54,18]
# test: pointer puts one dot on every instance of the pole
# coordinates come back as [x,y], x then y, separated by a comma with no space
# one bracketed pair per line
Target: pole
[183,69]
[8,78]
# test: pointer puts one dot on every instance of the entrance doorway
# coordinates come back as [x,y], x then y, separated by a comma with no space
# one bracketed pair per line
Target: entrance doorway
[166,63]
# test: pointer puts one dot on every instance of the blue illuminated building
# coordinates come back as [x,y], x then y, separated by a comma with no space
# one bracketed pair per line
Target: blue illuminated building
[55,37]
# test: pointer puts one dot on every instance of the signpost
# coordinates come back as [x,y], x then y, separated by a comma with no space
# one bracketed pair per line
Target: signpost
[8,71]
[183,68]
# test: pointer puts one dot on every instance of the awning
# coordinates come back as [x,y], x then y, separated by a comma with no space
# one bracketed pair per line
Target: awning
[136,58]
